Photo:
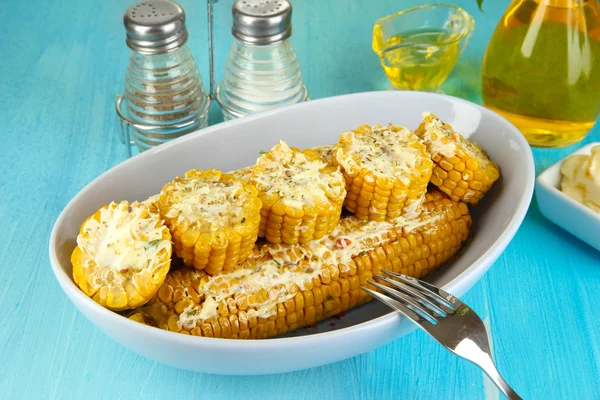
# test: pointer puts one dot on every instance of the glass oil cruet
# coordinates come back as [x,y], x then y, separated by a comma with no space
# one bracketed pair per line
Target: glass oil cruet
[261,70]
[164,97]
[419,47]
[542,69]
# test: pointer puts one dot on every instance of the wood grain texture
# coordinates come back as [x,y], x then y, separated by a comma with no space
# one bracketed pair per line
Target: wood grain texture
[62,63]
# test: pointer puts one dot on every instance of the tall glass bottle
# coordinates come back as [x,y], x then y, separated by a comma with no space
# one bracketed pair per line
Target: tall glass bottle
[542,69]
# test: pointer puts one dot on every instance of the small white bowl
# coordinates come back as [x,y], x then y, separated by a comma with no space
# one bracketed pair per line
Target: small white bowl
[565,212]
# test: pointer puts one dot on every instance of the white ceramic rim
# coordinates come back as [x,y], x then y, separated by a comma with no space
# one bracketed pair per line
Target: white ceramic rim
[457,286]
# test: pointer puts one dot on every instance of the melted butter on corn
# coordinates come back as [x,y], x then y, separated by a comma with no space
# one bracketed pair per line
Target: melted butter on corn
[126,240]
[438,136]
[217,204]
[152,200]
[443,140]
[326,152]
[243,174]
[414,216]
[287,269]
[209,309]
[296,179]
[385,152]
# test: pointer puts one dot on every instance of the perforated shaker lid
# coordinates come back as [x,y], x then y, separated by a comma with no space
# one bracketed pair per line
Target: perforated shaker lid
[262,22]
[155,26]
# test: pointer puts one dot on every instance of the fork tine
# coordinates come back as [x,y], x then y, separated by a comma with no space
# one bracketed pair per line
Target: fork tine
[447,305]
[404,288]
[431,291]
[396,305]
[412,304]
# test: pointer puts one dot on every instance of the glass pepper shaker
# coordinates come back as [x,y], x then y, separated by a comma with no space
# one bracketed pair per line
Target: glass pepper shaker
[164,97]
[262,70]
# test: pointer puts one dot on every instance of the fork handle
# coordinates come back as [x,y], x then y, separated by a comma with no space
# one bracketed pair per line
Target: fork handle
[504,388]
[487,365]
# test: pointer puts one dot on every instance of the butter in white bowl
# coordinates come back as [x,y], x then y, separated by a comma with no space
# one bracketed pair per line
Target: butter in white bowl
[581,178]
[568,194]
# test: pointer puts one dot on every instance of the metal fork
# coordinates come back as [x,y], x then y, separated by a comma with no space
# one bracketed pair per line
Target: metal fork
[444,317]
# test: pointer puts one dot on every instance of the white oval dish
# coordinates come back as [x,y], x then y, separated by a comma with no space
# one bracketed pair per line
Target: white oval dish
[236,144]
[572,216]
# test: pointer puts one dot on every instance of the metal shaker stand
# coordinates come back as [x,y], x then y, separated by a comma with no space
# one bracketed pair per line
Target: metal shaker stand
[126,123]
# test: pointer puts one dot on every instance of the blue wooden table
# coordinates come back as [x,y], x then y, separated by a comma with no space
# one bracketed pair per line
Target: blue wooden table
[61,65]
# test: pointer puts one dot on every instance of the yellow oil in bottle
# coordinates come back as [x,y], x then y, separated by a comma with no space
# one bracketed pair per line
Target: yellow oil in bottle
[417,60]
[542,69]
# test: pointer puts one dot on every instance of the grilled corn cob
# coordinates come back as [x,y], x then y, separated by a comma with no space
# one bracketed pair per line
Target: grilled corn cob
[462,169]
[213,218]
[122,256]
[287,287]
[302,196]
[386,169]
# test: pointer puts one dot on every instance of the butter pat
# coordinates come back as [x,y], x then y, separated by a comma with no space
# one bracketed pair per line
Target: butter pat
[581,178]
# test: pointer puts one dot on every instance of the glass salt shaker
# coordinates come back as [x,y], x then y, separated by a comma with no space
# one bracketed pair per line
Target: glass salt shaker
[262,70]
[164,97]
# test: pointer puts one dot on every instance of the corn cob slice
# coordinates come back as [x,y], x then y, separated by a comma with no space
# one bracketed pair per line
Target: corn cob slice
[386,169]
[213,218]
[287,287]
[302,196]
[462,169]
[122,256]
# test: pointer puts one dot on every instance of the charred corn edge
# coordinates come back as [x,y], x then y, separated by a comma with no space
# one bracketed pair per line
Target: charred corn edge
[284,218]
[213,250]
[379,198]
[415,253]
[462,168]
[137,289]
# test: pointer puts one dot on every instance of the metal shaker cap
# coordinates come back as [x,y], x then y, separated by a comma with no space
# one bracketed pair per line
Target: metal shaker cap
[155,26]
[262,22]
